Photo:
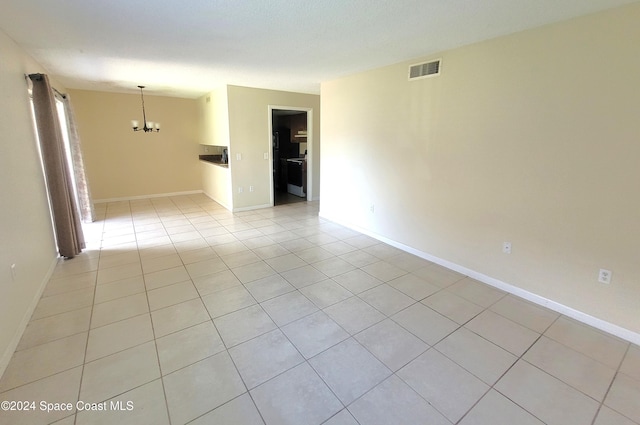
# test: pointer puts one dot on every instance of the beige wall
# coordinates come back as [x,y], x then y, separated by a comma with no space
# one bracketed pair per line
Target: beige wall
[214,118]
[216,183]
[26,236]
[530,138]
[122,163]
[249,134]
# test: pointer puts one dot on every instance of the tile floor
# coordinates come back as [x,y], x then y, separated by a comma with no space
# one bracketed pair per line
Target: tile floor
[275,316]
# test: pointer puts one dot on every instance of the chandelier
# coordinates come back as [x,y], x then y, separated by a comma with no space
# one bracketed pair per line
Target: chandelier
[147,125]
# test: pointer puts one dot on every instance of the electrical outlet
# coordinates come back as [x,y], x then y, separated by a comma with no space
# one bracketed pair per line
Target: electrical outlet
[240,189]
[250,188]
[206,149]
[506,247]
[604,276]
[239,156]
[372,208]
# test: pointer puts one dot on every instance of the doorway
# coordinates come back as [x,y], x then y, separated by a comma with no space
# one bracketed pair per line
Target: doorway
[290,147]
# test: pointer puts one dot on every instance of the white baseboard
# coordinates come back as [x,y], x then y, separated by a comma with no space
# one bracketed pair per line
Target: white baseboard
[26,318]
[252,207]
[156,195]
[580,316]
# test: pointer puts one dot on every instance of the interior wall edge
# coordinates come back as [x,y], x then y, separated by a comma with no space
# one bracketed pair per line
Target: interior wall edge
[26,318]
[220,201]
[603,325]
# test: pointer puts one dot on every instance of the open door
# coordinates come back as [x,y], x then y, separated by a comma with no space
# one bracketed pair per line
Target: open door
[290,146]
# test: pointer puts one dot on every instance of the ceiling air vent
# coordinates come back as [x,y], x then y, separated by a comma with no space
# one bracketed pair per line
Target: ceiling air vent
[423,70]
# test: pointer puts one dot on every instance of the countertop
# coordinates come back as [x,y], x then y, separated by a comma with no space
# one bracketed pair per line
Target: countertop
[215,160]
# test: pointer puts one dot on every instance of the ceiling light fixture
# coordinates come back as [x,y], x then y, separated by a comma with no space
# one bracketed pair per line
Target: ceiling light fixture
[148,125]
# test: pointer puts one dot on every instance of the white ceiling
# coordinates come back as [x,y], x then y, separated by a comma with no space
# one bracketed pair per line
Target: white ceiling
[187,48]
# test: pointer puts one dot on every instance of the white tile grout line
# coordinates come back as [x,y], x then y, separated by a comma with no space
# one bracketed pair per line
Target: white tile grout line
[580,316]
[138,249]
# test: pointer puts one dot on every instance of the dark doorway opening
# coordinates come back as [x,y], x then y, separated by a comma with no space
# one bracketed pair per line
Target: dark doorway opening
[289,153]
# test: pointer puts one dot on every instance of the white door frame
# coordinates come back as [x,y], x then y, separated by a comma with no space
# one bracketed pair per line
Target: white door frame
[309,112]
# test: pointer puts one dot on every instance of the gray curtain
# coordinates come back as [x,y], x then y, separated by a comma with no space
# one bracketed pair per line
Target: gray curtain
[82,185]
[66,219]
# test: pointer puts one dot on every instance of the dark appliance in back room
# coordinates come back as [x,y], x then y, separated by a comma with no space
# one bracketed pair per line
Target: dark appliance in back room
[297,176]
[280,153]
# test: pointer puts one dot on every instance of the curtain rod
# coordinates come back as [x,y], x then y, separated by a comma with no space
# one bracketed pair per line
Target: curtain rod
[39,77]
